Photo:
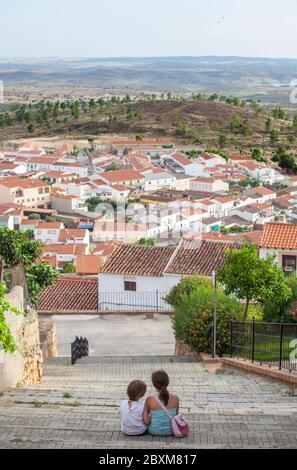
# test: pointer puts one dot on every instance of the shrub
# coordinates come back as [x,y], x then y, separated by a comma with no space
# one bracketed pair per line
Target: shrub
[193,304]
[277,311]
[185,287]
[69,268]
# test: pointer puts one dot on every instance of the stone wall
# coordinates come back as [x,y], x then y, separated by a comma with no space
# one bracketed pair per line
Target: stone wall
[48,338]
[25,365]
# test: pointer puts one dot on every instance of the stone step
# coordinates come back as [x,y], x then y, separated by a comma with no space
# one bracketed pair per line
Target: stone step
[121,360]
[100,433]
[229,410]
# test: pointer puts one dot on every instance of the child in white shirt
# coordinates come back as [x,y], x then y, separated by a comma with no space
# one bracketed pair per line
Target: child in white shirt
[132,409]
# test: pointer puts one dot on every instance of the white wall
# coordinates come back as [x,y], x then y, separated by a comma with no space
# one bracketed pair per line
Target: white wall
[113,296]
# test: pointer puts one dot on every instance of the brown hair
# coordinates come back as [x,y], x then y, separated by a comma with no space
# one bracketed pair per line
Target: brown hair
[160,381]
[136,389]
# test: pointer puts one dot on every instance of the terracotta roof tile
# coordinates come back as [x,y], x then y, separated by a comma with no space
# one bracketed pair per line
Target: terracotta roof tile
[15,182]
[72,234]
[121,175]
[69,249]
[70,295]
[88,264]
[199,257]
[138,260]
[279,235]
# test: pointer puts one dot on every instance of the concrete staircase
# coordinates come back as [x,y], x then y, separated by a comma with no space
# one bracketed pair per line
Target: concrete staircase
[77,406]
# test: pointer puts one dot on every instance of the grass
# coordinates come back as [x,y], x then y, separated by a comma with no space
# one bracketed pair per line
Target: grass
[67,395]
[255,311]
[267,348]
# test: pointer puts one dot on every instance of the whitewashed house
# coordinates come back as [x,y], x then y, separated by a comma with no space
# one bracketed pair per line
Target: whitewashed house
[178,163]
[158,180]
[209,185]
[138,278]
[48,232]
[280,239]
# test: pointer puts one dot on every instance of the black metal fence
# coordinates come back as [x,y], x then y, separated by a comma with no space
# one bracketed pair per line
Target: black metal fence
[79,349]
[133,301]
[274,344]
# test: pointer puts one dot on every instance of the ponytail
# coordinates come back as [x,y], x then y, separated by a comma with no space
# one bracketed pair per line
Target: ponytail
[164,395]
[160,381]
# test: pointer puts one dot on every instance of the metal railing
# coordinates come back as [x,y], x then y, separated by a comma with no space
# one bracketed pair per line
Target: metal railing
[79,349]
[133,301]
[274,344]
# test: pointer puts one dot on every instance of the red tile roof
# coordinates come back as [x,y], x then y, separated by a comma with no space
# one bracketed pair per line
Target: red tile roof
[49,225]
[121,175]
[199,257]
[70,295]
[263,191]
[70,249]
[254,237]
[15,182]
[138,260]
[88,264]
[72,234]
[279,235]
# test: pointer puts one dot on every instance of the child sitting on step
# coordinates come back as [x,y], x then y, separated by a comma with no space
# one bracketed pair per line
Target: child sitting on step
[132,409]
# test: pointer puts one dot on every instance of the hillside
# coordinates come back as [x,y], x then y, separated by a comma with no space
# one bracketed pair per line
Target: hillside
[193,122]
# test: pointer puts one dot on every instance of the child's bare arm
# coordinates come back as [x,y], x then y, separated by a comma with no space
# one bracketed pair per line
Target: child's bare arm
[146,414]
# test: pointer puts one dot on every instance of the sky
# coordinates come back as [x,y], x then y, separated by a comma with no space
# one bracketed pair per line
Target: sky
[141,28]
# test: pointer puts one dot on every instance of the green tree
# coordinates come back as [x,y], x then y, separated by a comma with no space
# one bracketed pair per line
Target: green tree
[257,155]
[31,128]
[192,301]
[6,337]
[268,125]
[274,136]
[17,248]
[284,160]
[39,276]
[246,128]
[222,141]
[235,123]
[278,113]
[146,242]
[69,268]
[249,277]
[278,311]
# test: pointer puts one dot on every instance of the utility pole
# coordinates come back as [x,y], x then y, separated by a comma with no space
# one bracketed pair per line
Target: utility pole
[214,280]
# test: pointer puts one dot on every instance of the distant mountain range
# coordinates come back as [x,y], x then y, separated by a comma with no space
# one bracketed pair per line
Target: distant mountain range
[263,78]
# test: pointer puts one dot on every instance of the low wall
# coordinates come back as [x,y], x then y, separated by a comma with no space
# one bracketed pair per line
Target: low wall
[182,349]
[25,365]
[263,369]
[48,338]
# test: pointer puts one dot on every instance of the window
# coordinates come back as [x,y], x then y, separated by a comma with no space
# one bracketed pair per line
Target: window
[40,190]
[289,264]
[130,286]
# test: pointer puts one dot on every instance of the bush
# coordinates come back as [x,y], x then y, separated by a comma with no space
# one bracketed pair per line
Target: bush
[275,311]
[184,288]
[69,268]
[193,304]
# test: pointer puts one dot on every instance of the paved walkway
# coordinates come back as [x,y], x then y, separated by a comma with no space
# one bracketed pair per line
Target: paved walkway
[226,410]
[116,335]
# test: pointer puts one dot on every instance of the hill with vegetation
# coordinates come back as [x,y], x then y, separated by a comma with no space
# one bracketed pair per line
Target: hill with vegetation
[215,121]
